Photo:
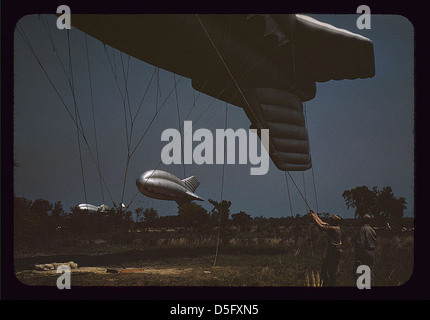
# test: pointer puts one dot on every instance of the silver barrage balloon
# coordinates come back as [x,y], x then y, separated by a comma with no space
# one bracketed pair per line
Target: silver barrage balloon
[93,208]
[163,185]
[284,56]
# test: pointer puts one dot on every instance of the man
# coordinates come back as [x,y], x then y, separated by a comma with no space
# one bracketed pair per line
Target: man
[330,265]
[365,244]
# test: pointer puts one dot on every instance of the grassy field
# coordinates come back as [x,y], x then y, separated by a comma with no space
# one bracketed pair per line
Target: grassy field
[181,258]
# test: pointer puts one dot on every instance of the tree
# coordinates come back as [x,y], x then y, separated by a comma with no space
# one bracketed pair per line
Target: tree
[57,210]
[78,222]
[139,216]
[150,215]
[24,222]
[120,219]
[361,199]
[33,222]
[221,210]
[241,219]
[379,204]
[388,206]
[41,209]
[192,214]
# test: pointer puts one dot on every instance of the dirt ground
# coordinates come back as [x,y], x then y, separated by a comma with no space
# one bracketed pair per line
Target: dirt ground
[181,273]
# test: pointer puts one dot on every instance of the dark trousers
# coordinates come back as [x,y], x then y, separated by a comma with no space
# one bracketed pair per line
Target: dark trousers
[364,257]
[330,267]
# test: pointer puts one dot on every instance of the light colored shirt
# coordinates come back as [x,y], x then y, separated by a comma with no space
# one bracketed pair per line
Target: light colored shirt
[366,238]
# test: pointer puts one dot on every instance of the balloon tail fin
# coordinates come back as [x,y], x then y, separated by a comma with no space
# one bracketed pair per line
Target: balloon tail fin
[191,183]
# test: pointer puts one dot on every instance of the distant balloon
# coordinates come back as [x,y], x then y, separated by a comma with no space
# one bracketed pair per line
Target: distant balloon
[93,208]
[268,64]
[163,185]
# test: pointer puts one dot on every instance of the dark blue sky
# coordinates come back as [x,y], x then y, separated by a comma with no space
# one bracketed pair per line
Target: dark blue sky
[360,131]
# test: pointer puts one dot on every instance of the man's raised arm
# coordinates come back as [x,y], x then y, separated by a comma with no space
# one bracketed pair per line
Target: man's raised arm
[318,220]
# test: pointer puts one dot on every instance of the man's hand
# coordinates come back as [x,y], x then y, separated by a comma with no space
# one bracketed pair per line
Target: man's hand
[318,219]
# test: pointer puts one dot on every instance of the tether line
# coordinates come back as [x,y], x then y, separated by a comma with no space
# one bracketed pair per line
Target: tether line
[288,191]
[312,169]
[30,47]
[222,189]
[243,63]
[76,115]
[94,118]
[179,125]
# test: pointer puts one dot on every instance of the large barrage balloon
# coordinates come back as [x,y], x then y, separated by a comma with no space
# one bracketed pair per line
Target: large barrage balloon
[163,185]
[267,64]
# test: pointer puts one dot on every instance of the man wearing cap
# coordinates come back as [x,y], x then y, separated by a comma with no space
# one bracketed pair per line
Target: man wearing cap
[365,244]
[330,265]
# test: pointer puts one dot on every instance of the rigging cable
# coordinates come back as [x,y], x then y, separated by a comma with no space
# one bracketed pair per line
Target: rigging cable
[246,101]
[312,169]
[76,116]
[288,191]
[125,98]
[158,93]
[243,63]
[30,47]
[304,186]
[128,134]
[295,87]
[94,119]
[71,84]
[222,190]
[179,125]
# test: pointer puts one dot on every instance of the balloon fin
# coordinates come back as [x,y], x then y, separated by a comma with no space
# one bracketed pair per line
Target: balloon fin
[191,183]
[282,113]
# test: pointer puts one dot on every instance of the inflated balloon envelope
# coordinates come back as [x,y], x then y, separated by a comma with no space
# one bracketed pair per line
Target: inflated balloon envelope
[92,208]
[159,184]
[266,64]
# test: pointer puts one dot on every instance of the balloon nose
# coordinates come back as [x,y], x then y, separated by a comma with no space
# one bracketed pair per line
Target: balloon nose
[140,181]
[148,174]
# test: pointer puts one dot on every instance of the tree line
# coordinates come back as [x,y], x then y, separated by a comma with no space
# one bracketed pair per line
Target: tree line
[381,205]
[41,215]
[39,220]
